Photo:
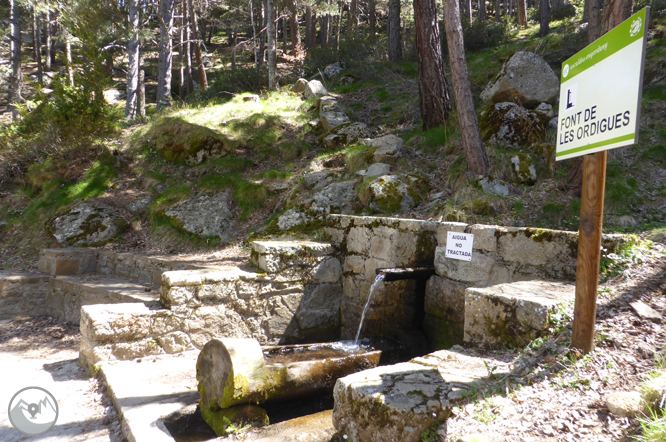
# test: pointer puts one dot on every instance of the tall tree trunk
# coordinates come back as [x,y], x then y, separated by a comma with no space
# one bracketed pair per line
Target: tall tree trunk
[165,66]
[295,32]
[37,45]
[308,27]
[47,59]
[482,10]
[614,13]
[272,55]
[68,55]
[255,46]
[434,97]
[16,80]
[188,48]
[142,94]
[352,18]
[498,9]
[285,36]
[522,14]
[469,10]
[544,25]
[133,51]
[203,81]
[373,17]
[475,153]
[394,39]
[262,41]
[182,83]
[325,38]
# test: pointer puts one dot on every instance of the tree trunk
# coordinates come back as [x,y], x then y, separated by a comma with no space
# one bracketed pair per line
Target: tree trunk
[262,40]
[475,153]
[165,54]
[182,83]
[272,56]
[352,18]
[522,14]
[203,81]
[133,51]
[325,38]
[544,29]
[188,48]
[295,32]
[394,40]
[469,9]
[37,46]
[16,80]
[142,94]
[255,47]
[498,10]
[285,37]
[47,59]
[614,13]
[373,17]
[435,101]
[308,27]
[482,10]
[68,55]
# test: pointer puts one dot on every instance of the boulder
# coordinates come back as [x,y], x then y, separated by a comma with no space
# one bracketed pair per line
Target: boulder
[292,218]
[344,134]
[394,193]
[346,80]
[375,170]
[314,88]
[333,69]
[388,148]
[523,169]
[334,198]
[511,125]
[625,403]
[493,186]
[299,86]
[86,225]
[525,79]
[205,214]
[331,120]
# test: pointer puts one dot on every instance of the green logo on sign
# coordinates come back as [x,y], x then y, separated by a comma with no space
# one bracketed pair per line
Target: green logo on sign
[635,27]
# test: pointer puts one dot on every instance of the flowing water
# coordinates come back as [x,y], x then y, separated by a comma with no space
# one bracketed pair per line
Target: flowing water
[373,288]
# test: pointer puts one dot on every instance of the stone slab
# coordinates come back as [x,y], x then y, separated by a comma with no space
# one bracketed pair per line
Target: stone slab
[644,311]
[67,261]
[316,427]
[514,313]
[399,402]
[143,392]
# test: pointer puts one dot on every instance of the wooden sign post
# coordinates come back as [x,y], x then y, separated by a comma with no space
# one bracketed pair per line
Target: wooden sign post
[600,100]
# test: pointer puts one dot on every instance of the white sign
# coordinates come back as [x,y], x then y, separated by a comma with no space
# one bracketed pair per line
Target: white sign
[600,95]
[459,245]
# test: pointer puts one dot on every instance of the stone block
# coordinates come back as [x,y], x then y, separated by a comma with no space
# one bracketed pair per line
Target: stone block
[354,264]
[358,240]
[485,237]
[115,322]
[513,313]
[371,265]
[482,270]
[351,289]
[322,297]
[68,261]
[380,248]
[275,256]
[445,227]
[23,294]
[328,271]
[400,402]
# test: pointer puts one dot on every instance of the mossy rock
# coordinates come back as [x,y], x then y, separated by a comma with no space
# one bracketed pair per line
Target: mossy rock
[523,168]
[185,143]
[86,226]
[234,419]
[510,125]
[393,193]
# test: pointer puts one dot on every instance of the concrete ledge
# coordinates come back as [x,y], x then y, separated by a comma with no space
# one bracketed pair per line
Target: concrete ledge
[513,313]
[68,261]
[399,402]
[276,256]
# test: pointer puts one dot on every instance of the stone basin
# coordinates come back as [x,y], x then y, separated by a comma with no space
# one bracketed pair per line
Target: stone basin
[232,372]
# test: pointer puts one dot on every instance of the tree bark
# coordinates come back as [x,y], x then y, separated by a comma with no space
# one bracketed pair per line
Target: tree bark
[133,52]
[482,10]
[435,101]
[544,25]
[469,10]
[68,55]
[272,56]
[142,94]
[262,41]
[394,38]
[188,48]
[16,80]
[165,66]
[308,27]
[47,59]
[614,13]
[325,38]
[373,17]
[475,153]
[295,32]
[182,83]
[498,10]
[522,14]
[203,81]
[36,45]
[352,18]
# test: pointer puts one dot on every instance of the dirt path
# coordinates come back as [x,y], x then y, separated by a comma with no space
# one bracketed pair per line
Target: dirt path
[43,352]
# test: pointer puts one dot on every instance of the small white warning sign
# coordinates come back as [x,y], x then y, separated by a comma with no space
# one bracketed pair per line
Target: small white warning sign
[459,246]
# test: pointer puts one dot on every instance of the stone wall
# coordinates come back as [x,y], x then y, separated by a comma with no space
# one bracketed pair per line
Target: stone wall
[145,269]
[500,255]
[23,294]
[296,298]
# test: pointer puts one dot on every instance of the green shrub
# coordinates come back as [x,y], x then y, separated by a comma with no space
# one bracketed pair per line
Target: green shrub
[483,34]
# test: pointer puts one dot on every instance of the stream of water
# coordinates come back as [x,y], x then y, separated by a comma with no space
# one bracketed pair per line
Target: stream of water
[373,288]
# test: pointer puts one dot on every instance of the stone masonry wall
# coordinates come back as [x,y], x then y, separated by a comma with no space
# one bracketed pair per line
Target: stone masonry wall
[23,294]
[500,255]
[145,269]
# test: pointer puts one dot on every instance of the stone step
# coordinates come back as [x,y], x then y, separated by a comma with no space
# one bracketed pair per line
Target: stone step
[23,294]
[514,313]
[67,294]
[145,390]
[316,427]
[399,402]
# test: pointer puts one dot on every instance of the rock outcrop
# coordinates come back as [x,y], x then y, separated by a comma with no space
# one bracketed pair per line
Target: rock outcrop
[85,226]
[205,215]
